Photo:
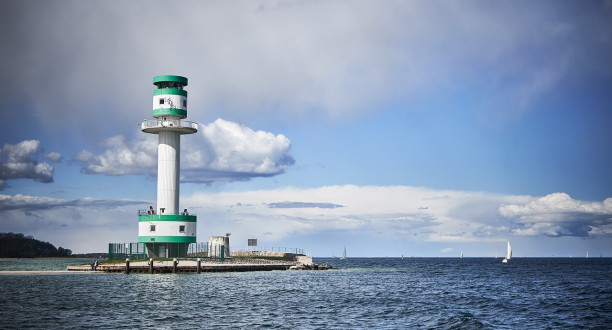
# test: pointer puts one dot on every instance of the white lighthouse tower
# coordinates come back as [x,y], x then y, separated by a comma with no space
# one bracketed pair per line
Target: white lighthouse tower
[165,231]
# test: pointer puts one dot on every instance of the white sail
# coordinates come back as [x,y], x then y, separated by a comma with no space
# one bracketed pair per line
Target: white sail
[343,254]
[509,251]
[461,254]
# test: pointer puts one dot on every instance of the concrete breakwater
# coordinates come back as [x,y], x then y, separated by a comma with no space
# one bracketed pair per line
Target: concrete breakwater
[204,265]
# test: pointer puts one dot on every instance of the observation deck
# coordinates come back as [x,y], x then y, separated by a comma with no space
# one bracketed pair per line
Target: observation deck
[176,125]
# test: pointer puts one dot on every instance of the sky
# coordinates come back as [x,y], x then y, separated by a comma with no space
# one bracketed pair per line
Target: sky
[391,128]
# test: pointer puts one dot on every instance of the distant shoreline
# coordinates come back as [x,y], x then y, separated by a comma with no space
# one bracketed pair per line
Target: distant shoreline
[51,258]
[40,272]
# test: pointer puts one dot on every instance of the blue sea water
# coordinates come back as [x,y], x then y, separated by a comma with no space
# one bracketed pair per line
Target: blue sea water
[390,293]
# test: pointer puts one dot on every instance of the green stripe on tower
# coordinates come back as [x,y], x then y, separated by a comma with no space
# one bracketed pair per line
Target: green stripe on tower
[166,239]
[169,112]
[169,91]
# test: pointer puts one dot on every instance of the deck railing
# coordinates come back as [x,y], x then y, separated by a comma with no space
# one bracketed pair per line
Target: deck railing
[152,212]
[194,250]
[154,123]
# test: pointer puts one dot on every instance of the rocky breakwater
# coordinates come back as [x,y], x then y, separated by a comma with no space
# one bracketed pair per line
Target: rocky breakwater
[305,263]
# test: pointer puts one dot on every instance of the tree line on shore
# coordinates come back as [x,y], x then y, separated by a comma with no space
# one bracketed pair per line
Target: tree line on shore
[17,245]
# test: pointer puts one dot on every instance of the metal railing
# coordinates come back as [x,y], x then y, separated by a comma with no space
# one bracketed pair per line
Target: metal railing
[177,123]
[289,250]
[281,249]
[139,251]
[153,212]
[126,250]
[188,250]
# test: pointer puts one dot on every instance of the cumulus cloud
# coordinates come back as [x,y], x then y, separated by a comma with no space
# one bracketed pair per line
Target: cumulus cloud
[121,157]
[20,161]
[220,151]
[559,214]
[227,151]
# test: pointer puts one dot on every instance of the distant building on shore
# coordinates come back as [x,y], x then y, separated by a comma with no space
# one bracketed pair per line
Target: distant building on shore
[219,246]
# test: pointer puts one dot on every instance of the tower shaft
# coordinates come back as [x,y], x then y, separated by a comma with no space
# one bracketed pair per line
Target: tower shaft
[168,175]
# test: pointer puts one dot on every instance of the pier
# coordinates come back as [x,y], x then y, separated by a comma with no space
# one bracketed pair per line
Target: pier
[202,266]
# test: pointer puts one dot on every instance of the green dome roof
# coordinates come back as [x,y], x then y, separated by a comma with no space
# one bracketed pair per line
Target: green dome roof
[178,79]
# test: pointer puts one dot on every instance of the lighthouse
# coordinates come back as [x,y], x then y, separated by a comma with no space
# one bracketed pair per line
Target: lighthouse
[165,229]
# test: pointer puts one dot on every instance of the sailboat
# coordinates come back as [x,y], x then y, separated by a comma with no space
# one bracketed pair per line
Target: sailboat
[587,254]
[461,255]
[508,254]
[343,254]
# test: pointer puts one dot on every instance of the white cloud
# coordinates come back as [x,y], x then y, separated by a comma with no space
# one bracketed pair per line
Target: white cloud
[227,151]
[559,215]
[54,157]
[20,161]
[220,151]
[122,157]
[447,250]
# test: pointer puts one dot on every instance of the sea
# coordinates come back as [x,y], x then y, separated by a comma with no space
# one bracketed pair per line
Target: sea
[359,293]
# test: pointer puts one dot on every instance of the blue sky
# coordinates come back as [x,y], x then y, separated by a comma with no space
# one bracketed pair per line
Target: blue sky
[392,128]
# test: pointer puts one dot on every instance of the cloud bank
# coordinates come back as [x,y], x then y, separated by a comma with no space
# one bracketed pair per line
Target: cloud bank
[220,151]
[401,212]
[21,161]
[286,58]
[83,225]
[291,205]
[319,218]
[34,203]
